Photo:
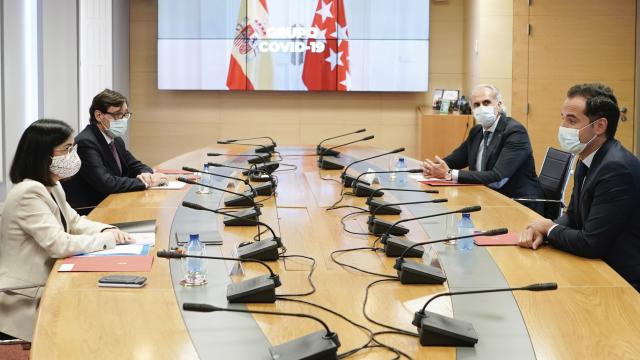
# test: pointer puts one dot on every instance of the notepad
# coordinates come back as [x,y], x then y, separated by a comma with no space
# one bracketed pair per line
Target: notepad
[171,185]
[504,239]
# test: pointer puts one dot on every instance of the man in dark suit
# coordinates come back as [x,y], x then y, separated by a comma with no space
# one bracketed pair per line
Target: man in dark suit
[107,166]
[603,217]
[497,152]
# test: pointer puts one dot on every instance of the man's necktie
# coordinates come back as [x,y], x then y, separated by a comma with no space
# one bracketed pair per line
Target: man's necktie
[112,146]
[485,148]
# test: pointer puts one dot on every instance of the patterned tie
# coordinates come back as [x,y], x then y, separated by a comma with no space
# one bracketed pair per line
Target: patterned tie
[485,148]
[112,146]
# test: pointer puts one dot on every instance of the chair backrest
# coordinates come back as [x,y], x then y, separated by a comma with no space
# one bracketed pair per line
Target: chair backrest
[554,177]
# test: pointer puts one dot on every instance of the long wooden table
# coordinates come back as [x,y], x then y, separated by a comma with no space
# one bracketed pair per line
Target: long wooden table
[593,314]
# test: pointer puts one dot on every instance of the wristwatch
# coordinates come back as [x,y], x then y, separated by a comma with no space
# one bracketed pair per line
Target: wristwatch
[449,176]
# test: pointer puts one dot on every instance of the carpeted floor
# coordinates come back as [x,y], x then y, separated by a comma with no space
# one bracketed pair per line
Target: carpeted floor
[13,352]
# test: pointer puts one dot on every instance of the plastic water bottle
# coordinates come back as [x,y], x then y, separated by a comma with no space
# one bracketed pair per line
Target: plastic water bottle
[196,272]
[465,227]
[401,165]
[205,179]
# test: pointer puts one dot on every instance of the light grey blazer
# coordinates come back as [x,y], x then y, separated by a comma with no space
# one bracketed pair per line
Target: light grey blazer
[32,237]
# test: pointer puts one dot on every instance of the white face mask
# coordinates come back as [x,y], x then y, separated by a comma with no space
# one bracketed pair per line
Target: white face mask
[485,115]
[569,139]
[65,166]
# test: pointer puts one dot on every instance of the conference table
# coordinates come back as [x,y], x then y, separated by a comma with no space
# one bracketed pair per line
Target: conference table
[594,313]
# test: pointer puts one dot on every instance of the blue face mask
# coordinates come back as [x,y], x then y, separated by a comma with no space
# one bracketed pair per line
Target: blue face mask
[118,127]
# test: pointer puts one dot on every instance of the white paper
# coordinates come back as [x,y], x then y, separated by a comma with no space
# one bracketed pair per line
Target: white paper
[171,185]
[128,249]
[144,238]
[420,177]
[66,267]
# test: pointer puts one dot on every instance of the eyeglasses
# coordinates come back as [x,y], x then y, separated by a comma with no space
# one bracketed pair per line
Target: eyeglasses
[67,149]
[119,115]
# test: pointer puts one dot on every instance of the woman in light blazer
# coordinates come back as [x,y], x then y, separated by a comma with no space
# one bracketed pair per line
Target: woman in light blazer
[38,225]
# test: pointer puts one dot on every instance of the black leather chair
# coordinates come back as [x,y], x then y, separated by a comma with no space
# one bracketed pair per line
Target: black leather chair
[553,178]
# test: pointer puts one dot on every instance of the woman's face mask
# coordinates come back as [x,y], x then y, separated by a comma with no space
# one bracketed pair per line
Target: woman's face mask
[67,165]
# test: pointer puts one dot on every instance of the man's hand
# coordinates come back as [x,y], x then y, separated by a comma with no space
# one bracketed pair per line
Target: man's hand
[155,179]
[436,169]
[533,236]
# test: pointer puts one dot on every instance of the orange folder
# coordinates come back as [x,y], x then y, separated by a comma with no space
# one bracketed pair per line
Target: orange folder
[107,263]
[509,238]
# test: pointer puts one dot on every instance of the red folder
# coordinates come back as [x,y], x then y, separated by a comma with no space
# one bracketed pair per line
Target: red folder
[445,183]
[504,239]
[107,263]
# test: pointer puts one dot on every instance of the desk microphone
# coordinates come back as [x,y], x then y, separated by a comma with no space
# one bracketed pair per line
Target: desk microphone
[326,152]
[389,210]
[319,345]
[240,200]
[390,229]
[330,165]
[378,226]
[439,330]
[268,167]
[251,193]
[262,190]
[268,149]
[266,250]
[252,171]
[361,188]
[260,289]
[410,272]
[255,158]
[271,147]
[348,179]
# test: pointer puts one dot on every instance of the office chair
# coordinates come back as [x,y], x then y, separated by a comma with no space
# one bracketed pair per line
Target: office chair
[553,178]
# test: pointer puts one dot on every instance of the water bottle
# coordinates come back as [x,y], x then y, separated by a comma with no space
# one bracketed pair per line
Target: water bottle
[196,272]
[205,179]
[401,165]
[465,227]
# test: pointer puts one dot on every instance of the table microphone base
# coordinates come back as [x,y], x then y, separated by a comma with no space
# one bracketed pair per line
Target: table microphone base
[348,181]
[329,165]
[315,346]
[379,227]
[395,246]
[363,190]
[265,250]
[438,330]
[264,190]
[246,217]
[261,289]
[259,177]
[268,167]
[259,159]
[321,150]
[265,149]
[387,210]
[237,200]
[414,273]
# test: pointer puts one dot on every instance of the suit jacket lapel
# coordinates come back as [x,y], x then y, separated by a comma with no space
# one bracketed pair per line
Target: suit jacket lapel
[106,151]
[591,174]
[496,139]
[475,148]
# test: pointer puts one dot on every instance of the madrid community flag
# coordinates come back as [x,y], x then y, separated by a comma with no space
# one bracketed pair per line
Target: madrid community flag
[249,69]
[329,69]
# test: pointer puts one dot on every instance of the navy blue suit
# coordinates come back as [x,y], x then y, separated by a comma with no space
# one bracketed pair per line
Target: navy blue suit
[603,217]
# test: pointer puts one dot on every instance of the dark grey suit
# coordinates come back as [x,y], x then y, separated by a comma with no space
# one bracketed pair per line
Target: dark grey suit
[509,155]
